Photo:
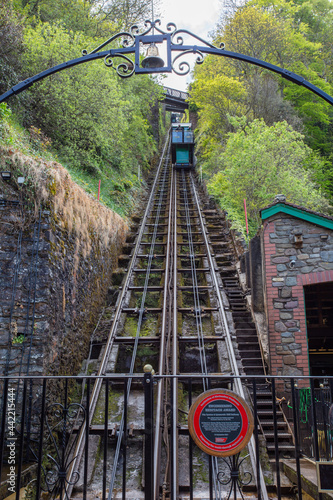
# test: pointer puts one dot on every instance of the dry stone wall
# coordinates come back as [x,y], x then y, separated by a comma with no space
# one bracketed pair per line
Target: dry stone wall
[58,248]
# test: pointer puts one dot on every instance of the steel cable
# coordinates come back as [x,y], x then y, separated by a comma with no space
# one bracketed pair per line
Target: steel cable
[198,318]
[141,313]
[196,296]
[166,403]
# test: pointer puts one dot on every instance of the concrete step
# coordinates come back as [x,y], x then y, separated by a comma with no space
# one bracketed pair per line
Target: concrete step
[281,435]
[255,361]
[270,423]
[251,353]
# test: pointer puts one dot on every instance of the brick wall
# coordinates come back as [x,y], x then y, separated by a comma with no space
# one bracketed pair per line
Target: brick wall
[288,267]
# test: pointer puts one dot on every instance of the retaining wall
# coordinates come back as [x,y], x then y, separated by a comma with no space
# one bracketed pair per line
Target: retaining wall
[58,248]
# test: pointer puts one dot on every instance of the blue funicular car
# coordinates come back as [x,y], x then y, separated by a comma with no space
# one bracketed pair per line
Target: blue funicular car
[182,145]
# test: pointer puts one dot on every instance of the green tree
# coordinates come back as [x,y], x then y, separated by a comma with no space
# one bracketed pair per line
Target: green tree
[11,37]
[122,14]
[73,14]
[93,17]
[275,33]
[87,111]
[261,161]
[308,25]
[256,33]
[217,96]
[290,34]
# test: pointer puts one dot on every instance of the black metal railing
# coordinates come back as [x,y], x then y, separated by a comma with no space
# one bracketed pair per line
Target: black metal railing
[43,418]
[315,418]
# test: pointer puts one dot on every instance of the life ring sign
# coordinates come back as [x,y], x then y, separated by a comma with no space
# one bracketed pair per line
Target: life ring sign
[220,422]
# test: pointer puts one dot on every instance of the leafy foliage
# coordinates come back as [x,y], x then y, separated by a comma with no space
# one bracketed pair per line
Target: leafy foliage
[261,161]
[93,119]
[10,45]
[98,125]
[93,17]
[259,135]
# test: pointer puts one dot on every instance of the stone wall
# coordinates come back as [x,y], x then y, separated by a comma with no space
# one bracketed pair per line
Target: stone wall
[58,248]
[20,300]
[288,266]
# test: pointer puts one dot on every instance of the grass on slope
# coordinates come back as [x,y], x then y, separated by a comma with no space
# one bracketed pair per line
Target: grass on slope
[118,192]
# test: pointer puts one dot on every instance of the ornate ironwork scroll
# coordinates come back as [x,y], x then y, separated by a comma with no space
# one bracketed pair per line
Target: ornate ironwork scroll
[131,39]
[60,444]
[129,42]
[234,476]
[124,69]
[177,40]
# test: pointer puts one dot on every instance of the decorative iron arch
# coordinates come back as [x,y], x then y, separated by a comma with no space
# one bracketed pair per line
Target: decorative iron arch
[130,42]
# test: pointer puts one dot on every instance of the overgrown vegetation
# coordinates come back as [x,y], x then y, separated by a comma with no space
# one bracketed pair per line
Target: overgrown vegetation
[260,161]
[48,184]
[97,125]
[259,135]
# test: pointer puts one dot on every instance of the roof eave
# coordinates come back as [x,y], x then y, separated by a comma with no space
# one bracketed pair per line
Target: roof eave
[313,218]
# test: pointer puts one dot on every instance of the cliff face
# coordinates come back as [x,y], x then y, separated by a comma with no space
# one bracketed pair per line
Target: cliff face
[58,248]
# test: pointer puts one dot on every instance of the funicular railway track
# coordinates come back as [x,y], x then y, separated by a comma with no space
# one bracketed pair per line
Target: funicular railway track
[171,312]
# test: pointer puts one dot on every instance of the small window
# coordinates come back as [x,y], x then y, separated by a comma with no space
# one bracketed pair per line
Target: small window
[177,136]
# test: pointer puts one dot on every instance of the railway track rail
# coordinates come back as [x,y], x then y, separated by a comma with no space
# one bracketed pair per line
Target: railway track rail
[173,304]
